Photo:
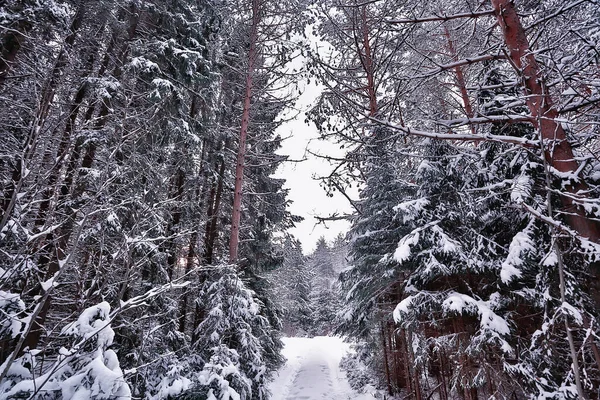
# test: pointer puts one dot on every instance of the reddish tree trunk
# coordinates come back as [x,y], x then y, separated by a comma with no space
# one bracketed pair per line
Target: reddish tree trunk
[241,156]
[460,79]
[398,360]
[557,151]
[385,359]
[444,385]
[414,373]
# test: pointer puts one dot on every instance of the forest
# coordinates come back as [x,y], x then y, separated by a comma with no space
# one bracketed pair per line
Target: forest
[145,245]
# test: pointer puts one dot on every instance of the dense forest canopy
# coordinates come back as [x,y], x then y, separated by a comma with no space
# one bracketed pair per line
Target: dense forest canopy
[144,244]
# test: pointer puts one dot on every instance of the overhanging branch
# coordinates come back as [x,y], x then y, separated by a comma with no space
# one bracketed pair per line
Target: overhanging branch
[467,137]
[441,18]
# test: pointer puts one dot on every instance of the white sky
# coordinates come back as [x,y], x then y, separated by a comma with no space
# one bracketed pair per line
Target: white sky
[309,199]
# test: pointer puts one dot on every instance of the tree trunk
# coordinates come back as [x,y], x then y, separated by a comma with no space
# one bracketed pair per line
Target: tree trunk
[393,355]
[460,79]
[189,262]
[558,151]
[50,263]
[443,383]
[406,358]
[65,140]
[399,360]
[212,225]
[414,376]
[201,193]
[241,156]
[11,44]
[47,97]
[368,65]
[173,226]
[385,359]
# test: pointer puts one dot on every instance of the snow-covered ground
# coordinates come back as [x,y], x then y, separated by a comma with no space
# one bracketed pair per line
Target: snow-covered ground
[312,371]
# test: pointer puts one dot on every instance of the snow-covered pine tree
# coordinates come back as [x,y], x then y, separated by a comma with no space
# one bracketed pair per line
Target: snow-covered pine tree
[324,295]
[231,340]
[88,368]
[141,113]
[443,288]
[153,177]
[339,249]
[292,286]
[321,263]
[370,283]
[484,287]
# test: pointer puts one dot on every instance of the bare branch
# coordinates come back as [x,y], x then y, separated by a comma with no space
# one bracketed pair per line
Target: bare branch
[460,136]
[364,3]
[460,63]
[333,217]
[486,119]
[441,18]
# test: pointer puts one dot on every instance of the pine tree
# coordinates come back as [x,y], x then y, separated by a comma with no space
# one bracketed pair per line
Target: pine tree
[127,186]
[232,340]
[292,286]
[87,369]
[373,238]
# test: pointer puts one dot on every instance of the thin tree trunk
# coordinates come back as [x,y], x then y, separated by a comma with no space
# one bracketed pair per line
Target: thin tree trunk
[444,385]
[385,359]
[570,339]
[214,205]
[57,247]
[391,355]
[201,193]
[398,353]
[407,362]
[416,384]
[241,156]
[65,141]
[368,64]
[212,226]
[460,79]
[172,245]
[46,99]
[562,289]
[189,262]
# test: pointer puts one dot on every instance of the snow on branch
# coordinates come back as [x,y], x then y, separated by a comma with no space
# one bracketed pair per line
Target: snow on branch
[583,103]
[403,250]
[142,299]
[520,246]
[460,136]
[461,63]
[441,18]
[561,10]
[485,119]
[588,246]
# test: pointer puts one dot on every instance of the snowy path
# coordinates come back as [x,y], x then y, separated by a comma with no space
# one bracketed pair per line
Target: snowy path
[312,371]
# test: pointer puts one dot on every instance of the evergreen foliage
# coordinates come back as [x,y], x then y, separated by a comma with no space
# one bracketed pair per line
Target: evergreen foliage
[118,120]
[465,227]
[472,266]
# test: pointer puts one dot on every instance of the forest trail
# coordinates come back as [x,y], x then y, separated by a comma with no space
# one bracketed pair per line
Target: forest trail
[312,371]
